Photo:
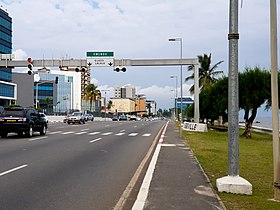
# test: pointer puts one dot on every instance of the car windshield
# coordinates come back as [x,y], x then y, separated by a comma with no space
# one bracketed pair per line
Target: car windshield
[13,113]
[76,114]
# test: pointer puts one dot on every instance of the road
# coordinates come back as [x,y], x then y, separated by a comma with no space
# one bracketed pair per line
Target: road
[85,166]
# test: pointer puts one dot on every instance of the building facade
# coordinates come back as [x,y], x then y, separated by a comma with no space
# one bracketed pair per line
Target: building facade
[126,91]
[123,105]
[8,90]
[66,93]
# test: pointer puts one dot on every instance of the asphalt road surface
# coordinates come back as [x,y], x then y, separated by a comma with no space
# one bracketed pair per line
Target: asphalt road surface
[85,166]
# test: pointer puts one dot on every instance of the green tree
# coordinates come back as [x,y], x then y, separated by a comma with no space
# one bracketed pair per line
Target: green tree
[91,94]
[207,73]
[254,90]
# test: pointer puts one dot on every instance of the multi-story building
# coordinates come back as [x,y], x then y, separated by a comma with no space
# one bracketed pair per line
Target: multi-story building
[8,90]
[151,107]
[140,104]
[123,105]
[126,91]
[66,93]
[186,102]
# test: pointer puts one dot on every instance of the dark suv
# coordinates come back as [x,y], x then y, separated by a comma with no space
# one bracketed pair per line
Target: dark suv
[21,120]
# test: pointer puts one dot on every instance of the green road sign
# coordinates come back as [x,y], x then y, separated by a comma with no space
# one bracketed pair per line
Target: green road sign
[100,54]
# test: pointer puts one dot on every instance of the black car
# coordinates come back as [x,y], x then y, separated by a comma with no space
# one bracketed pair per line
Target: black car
[21,120]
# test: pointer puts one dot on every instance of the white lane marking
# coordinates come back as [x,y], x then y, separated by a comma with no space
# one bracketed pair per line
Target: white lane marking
[80,133]
[69,132]
[146,134]
[95,140]
[144,189]
[93,133]
[133,134]
[106,134]
[55,132]
[122,131]
[39,138]
[86,129]
[12,170]
[119,134]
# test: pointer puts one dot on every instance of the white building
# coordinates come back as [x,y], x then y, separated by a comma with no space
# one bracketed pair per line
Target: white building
[126,91]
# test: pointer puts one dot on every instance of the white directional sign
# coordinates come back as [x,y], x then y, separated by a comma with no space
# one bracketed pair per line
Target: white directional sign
[101,62]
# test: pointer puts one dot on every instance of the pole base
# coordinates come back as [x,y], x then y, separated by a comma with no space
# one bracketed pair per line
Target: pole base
[234,184]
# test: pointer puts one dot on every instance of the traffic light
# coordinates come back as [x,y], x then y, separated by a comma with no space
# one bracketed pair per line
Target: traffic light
[56,80]
[30,66]
[78,69]
[118,69]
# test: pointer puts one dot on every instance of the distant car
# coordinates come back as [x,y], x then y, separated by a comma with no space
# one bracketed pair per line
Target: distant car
[115,118]
[89,117]
[133,118]
[76,117]
[44,116]
[22,120]
[122,118]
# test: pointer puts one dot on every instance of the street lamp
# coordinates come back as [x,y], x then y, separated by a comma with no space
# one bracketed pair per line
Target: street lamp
[176,95]
[181,71]
[105,91]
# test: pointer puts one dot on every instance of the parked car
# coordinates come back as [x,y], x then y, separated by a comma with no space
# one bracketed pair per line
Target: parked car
[21,120]
[76,117]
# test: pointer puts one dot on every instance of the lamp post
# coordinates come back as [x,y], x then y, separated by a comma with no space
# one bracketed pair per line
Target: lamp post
[105,91]
[176,95]
[181,72]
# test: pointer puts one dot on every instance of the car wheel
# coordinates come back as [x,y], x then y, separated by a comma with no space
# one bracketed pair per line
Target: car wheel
[44,130]
[29,132]
[68,122]
[4,135]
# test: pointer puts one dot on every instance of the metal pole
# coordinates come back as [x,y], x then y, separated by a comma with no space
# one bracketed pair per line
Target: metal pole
[274,97]
[36,97]
[196,94]
[176,95]
[181,72]
[233,95]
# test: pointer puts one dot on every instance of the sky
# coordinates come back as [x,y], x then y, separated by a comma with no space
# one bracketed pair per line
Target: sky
[139,29]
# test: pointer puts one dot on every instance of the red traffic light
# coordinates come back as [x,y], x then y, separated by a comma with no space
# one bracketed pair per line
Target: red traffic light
[29,60]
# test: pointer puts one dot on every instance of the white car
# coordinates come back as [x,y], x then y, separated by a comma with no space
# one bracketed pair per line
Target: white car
[76,117]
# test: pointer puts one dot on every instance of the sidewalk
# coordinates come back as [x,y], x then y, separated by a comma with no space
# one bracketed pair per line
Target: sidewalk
[178,182]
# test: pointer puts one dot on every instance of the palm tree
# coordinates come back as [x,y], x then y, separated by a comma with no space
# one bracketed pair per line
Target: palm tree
[91,94]
[207,73]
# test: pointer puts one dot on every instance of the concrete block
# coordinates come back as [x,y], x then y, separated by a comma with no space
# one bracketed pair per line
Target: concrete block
[234,184]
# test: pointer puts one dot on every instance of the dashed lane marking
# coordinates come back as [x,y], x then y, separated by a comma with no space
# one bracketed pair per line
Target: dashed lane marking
[54,132]
[106,134]
[146,134]
[119,134]
[69,132]
[83,132]
[95,140]
[133,134]
[93,133]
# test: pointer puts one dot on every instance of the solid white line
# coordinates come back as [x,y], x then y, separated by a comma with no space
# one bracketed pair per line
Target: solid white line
[143,192]
[39,138]
[11,170]
[94,140]
[144,189]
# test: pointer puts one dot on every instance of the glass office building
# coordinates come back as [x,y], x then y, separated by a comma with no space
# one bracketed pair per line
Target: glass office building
[61,93]
[7,88]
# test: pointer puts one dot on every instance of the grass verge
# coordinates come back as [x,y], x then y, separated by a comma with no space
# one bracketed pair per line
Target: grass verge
[255,165]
